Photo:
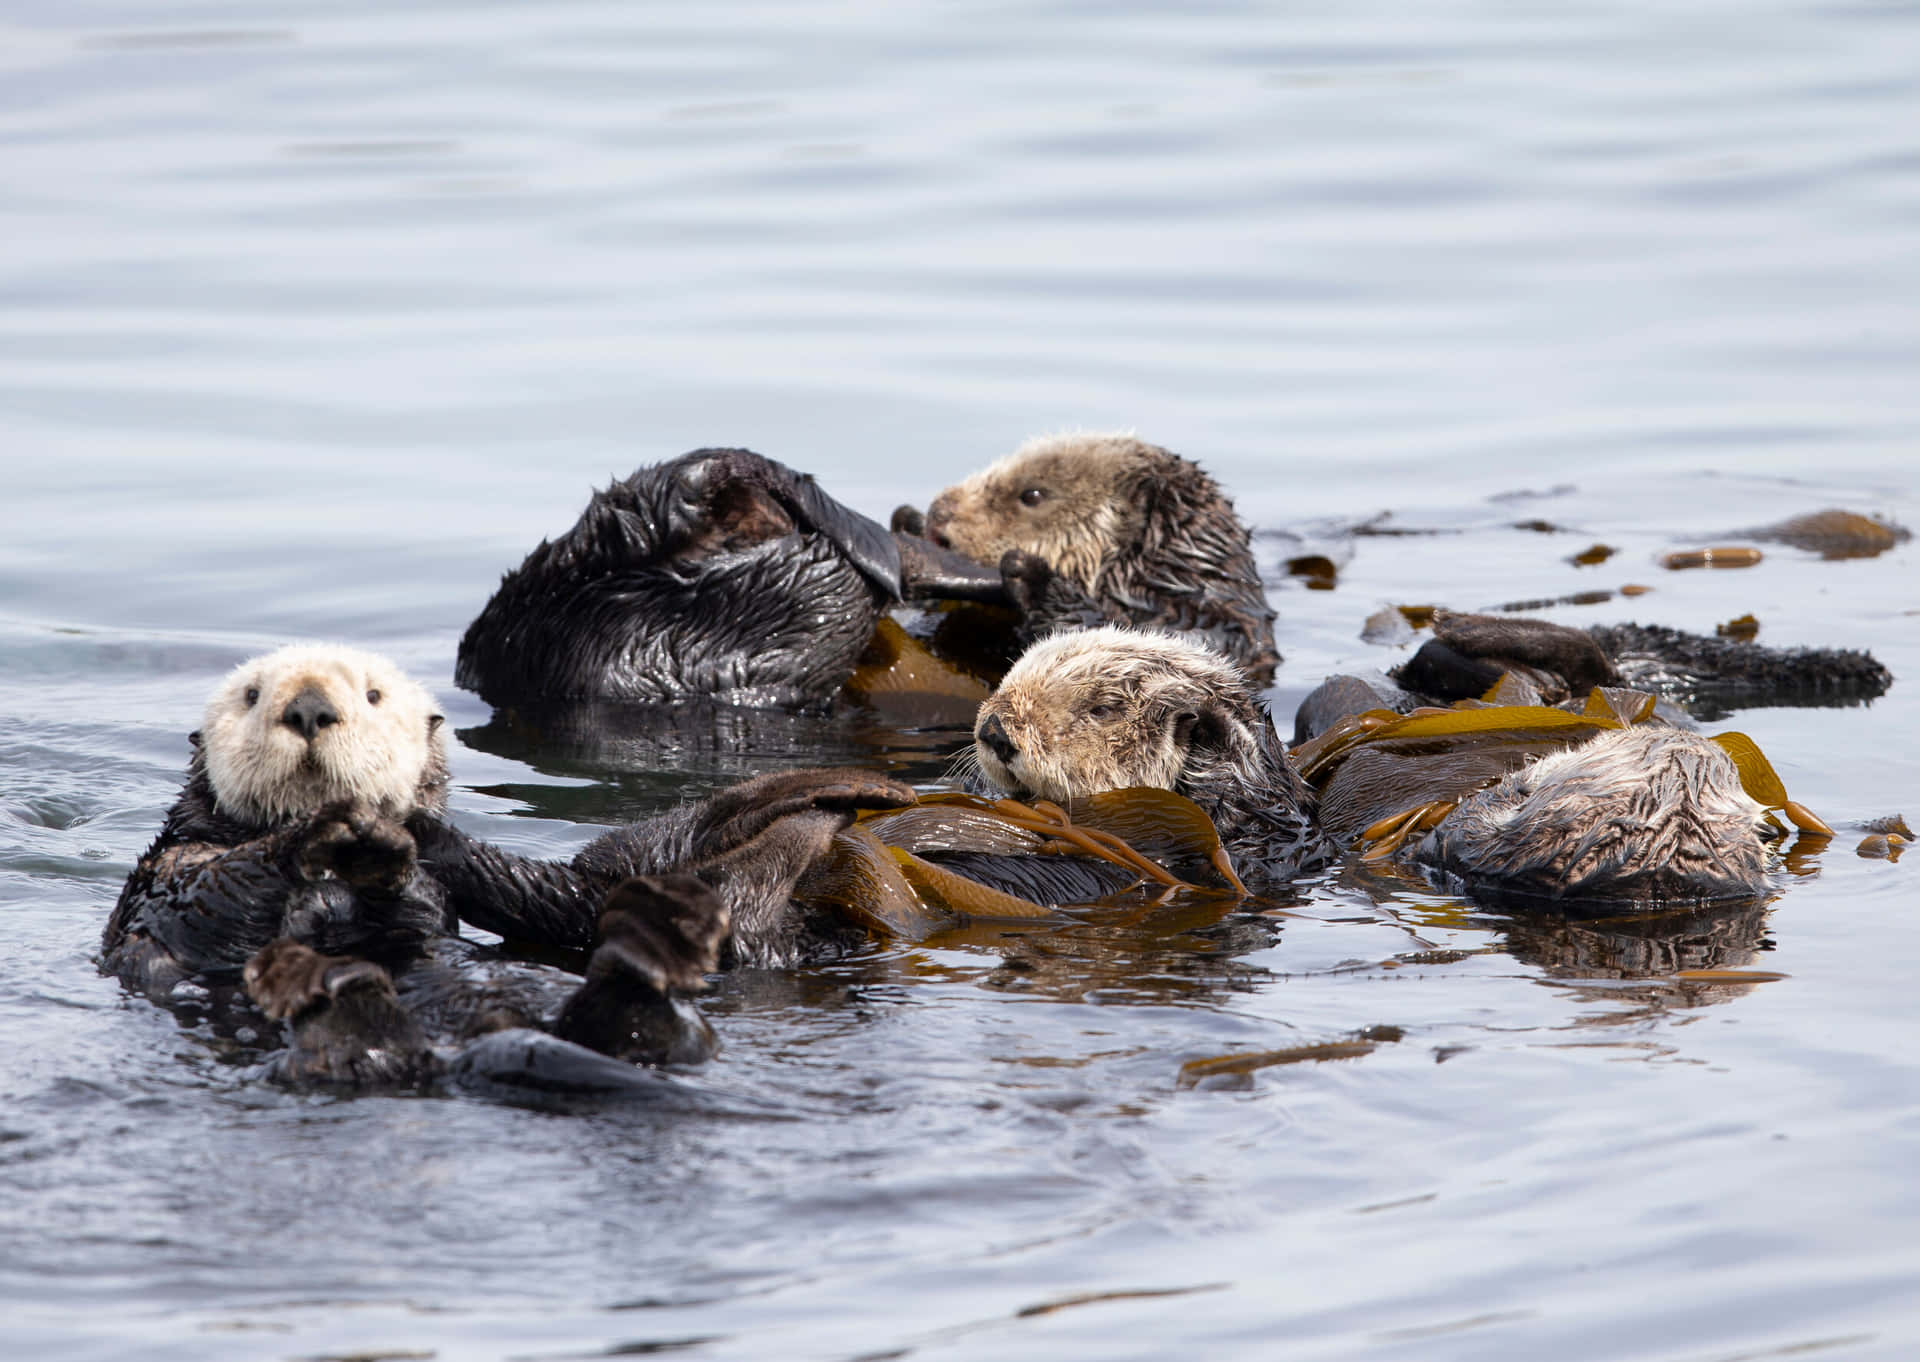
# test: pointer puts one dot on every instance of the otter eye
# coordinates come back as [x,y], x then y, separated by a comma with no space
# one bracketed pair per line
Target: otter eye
[373,697]
[1033,496]
[253,696]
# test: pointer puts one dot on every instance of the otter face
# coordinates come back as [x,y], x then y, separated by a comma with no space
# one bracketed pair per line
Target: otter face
[1112,708]
[1070,499]
[293,730]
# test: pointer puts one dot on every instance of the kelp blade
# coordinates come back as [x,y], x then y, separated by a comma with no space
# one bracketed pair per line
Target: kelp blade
[860,878]
[961,896]
[875,875]
[1163,826]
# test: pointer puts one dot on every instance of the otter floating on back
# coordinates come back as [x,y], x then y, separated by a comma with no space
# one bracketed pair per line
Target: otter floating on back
[309,858]
[1638,814]
[1108,529]
[721,575]
[1112,708]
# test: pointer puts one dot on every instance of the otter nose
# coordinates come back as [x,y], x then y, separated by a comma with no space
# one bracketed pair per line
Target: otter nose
[309,712]
[994,734]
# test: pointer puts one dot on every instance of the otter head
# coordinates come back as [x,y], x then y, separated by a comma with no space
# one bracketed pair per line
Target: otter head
[1641,814]
[1079,501]
[306,726]
[1112,708]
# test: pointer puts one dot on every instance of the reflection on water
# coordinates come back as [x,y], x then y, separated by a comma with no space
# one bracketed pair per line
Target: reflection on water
[317,320]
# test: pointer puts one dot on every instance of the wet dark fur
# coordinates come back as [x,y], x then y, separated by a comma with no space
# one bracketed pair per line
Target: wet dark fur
[357,916]
[1185,564]
[721,575]
[1191,570]
[1725,672]
[1469,653]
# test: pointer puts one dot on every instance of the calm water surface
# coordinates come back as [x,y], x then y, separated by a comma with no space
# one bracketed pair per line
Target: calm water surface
[313,319]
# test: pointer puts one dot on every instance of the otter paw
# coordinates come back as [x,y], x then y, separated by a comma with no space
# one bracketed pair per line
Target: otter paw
[738,815]
[666,930]
[909,520]
[1027,577]
[285,978]
[352,843]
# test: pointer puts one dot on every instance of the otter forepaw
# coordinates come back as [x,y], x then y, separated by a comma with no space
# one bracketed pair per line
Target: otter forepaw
[350,842]
[285,978]
[1027,577]
[909,520]
[738,815]
[666,930]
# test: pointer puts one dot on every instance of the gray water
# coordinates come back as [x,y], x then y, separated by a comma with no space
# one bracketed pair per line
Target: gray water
[314,318]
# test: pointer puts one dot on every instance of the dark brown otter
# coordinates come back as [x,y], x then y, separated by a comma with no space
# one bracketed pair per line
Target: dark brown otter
[721,576]
[1469,654]
[309,859]
[1108,529]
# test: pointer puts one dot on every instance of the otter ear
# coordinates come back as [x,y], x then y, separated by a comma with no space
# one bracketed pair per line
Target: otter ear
[433,723]
[1203,728]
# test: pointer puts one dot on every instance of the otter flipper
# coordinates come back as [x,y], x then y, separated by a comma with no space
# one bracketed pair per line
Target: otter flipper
[736,816]
[865,543]
[1713,672]
[930,572]
[1468,655]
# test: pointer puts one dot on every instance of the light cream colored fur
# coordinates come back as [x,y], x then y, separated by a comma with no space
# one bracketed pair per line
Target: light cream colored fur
[1645,810]
[1084,518]
[1142,681]
[380,754]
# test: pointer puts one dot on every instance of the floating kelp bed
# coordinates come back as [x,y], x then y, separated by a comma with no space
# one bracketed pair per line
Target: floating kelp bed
[894,872]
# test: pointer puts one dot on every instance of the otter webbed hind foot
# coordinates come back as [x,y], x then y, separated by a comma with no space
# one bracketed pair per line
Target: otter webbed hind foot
[739,814]
[526,1068]
[1716,674]
[720,575]
[1469,653]
[345,1026]
[658,936]
[931,572]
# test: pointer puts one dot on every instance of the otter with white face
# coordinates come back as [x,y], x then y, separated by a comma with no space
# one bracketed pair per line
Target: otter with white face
[308,725]
[308,859]
[1114,708]
[1092,529]
[1642,814]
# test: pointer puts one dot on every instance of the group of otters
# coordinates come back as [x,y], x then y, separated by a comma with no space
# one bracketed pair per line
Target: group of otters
[309,875]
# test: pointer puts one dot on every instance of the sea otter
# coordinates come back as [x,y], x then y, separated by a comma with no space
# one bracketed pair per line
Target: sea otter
[310,856]
[1112,707]
[720,576]
[1108,529]
[1644,813]
[1469,653]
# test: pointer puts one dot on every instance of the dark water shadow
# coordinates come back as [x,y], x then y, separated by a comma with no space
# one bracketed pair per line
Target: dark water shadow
[646,757]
